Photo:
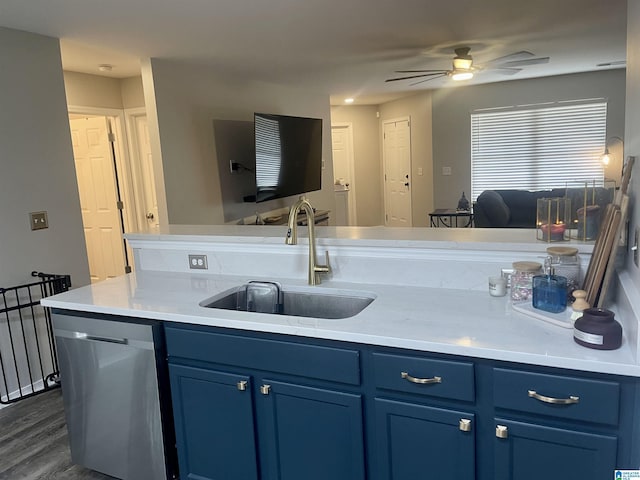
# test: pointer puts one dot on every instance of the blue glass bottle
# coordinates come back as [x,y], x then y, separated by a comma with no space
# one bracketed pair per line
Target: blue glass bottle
[550,293]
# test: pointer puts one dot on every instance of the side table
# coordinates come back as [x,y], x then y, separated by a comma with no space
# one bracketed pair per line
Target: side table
[451,218]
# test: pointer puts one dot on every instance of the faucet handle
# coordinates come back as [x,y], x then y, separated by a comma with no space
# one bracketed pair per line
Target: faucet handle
[326,268]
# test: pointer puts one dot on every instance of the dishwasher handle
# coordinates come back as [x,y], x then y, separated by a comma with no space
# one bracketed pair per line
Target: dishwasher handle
[89,337]
[120,341]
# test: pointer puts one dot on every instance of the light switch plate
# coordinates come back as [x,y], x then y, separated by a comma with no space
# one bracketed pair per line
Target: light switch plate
[38,220]
[446,170]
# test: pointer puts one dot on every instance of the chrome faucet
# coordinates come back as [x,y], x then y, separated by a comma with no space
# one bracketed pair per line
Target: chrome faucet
[292,238]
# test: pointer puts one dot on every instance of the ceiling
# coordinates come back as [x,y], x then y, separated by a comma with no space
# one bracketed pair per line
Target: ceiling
[347,49]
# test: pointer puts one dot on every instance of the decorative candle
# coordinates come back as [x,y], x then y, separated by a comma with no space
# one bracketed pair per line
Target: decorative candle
[553,232]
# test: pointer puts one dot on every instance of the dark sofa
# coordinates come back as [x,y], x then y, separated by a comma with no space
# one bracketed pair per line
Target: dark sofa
[517,208]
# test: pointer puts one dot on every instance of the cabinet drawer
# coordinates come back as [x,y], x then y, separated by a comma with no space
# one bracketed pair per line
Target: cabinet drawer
[557,395]
[312,361]
[425,376]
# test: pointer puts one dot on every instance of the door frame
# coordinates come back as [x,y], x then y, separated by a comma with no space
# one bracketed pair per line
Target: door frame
[353,211]
[130,115]
[384,168]
[116,120]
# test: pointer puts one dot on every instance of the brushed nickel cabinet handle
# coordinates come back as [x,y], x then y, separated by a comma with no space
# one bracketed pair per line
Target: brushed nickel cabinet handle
[421,381]
[552,400]
[464,425]
[265,389]
[242,385]
[502,431]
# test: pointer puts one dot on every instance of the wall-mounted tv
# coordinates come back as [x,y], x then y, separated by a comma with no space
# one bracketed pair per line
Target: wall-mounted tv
[288,155]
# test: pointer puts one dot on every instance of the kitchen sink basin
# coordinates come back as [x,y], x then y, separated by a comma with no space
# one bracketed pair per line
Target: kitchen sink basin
[262,297]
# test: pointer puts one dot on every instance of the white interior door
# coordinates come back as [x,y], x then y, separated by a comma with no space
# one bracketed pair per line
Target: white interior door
[397,172]
[343,166]
[98,197]
[145,183]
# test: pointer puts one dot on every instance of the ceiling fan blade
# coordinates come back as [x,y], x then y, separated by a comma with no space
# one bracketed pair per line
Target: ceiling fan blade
[524,63]
[506,71]
[427,79]
[420,71]
[521,55]
[440,73]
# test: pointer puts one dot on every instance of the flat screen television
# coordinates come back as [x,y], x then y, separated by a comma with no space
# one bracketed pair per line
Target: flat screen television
[288,155]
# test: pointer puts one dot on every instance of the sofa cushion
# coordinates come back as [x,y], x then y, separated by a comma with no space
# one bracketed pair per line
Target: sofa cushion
[496,211]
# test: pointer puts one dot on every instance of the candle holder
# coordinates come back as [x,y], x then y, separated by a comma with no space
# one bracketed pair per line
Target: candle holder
[553,216]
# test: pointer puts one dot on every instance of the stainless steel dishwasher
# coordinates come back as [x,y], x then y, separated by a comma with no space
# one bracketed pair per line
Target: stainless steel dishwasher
[112,397]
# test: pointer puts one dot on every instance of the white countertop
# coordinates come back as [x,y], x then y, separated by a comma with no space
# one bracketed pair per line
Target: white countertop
[453,321]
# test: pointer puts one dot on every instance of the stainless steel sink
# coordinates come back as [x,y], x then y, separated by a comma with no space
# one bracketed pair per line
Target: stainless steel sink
[297,301]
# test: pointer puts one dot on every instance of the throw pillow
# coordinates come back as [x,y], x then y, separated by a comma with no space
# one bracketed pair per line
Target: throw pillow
[496,211]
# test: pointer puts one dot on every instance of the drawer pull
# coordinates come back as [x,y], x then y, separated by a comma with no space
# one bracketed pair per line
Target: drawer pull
[242,385]
[421,381]
[265,389]
[502,431]
[464,425]
[554,401]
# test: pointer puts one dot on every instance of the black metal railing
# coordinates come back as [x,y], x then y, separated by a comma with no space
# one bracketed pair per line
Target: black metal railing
[28,359]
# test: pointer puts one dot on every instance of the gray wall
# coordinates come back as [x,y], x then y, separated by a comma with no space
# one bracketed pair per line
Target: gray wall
[632,126]
[95,91]
[452,108]
[367,160]
[37,170]
[418,108]
[182,102]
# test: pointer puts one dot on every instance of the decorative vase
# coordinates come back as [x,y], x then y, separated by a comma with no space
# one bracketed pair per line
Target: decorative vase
[463,204]
[598,329]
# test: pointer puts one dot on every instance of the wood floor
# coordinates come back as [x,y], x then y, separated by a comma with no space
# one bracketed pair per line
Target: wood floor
[33,442]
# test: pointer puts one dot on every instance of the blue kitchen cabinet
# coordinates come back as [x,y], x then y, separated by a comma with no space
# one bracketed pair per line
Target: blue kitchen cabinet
[418,441]
[416,435]
[526,451]
[215,431]
[260,421]
[263,406]
[311,433]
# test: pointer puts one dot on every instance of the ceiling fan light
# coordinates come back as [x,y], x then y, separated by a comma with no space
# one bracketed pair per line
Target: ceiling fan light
[461,63]
[461,75]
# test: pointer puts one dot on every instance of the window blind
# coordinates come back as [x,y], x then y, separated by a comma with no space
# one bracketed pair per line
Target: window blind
[268,152]
[537,148]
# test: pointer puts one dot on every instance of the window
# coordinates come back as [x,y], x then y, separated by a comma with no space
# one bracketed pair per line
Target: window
[268,152]
[537,148]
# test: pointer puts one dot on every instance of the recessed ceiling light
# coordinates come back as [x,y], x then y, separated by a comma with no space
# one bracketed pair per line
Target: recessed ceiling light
[348,100]
[105,67]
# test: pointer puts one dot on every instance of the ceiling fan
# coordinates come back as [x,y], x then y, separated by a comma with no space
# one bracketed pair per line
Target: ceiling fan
[464,69]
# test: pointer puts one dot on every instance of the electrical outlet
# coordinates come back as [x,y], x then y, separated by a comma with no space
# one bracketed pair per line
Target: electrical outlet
[38,220]
[446,170]
[198,262]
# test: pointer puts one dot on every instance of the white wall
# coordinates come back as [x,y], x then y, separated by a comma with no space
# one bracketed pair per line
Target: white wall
[452,108]
[182,103]
[37,171]
[367,160]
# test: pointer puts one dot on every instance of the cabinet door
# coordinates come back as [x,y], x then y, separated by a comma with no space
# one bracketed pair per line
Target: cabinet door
[310,433]
[214,423]
[533,452]
[421,442]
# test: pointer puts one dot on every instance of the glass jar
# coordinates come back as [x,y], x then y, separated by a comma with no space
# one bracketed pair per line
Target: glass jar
[522,280]
[550,293]
[564,261]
